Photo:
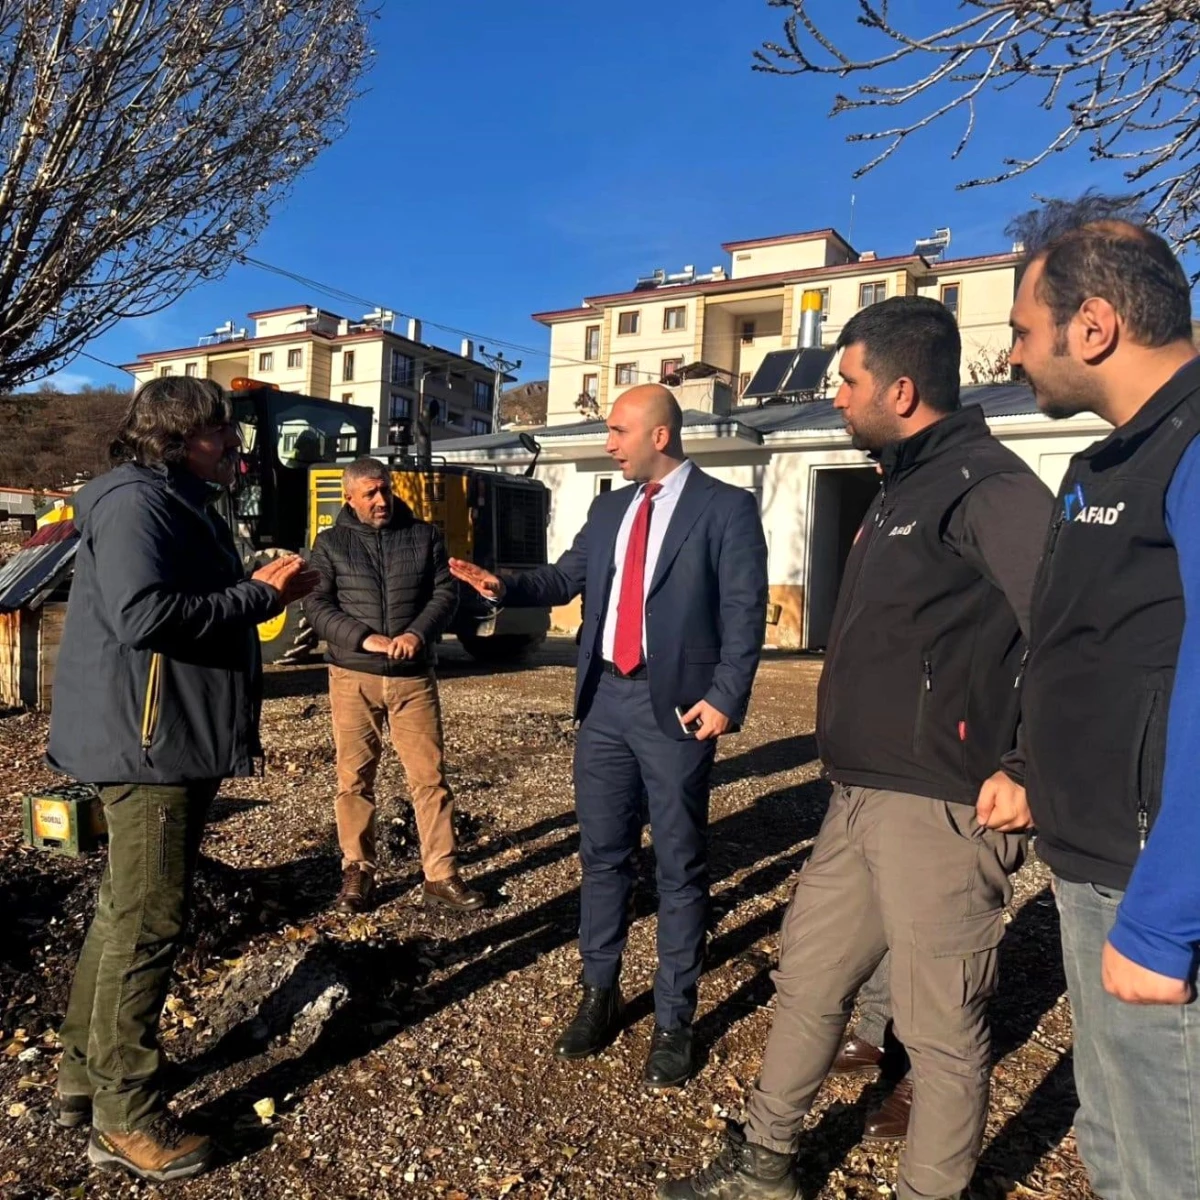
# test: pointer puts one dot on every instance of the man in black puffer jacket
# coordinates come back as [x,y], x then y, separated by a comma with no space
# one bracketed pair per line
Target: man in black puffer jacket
[385,595]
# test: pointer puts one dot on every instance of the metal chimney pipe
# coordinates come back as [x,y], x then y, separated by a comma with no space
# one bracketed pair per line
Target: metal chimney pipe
[810,320]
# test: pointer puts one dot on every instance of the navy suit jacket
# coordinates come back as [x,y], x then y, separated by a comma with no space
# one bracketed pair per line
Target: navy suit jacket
[705,610]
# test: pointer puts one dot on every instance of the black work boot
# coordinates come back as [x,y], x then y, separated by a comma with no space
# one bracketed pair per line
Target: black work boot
[596,1023]
[742,1171]
[70,1109]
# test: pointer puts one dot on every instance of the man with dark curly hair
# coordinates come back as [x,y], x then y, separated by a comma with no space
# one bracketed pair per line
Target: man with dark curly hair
[156,700]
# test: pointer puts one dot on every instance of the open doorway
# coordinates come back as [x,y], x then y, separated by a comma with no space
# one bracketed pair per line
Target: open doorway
[840,499]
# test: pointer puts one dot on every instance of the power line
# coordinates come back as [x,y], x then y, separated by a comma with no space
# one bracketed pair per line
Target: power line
[105,363]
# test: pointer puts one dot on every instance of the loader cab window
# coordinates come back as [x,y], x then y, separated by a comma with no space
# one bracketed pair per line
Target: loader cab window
[283,438]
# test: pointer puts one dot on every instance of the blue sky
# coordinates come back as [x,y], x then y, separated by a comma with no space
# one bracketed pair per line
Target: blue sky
[511,158]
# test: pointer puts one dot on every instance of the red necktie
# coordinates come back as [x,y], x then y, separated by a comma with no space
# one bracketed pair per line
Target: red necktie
[627,642]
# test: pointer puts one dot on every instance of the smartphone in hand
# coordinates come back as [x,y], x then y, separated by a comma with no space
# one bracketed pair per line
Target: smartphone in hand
[688,727]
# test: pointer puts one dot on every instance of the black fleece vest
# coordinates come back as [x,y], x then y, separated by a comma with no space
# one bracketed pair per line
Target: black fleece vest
[1106,626]
[919,688]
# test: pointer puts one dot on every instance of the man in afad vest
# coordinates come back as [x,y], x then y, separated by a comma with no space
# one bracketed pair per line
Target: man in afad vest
[1102,324]
[917,706]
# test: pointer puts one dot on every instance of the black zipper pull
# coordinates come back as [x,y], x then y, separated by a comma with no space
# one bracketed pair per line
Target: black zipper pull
[1054,531]
[1021,669]
[1143,824]
[928,676]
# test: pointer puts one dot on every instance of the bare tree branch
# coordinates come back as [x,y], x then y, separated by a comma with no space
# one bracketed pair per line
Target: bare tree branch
[1124,77]
[143,144]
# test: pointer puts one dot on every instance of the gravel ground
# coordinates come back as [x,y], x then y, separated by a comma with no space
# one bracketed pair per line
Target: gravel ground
[407,1053]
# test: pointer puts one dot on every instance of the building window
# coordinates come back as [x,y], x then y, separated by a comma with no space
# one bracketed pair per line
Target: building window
[674,318]
[266,362]
[603,484]
[402,368]
[872,293]
[400,407]
[743,382]
[950,298]
[191,370]
[629,322]
[165,371]
[347,397]
[747,332]
[295,360]
[454,418]
[670,366]
[626,373]
[824,303]
[483,395]
[591,343]
[347,366]
[478,425]
[591,386]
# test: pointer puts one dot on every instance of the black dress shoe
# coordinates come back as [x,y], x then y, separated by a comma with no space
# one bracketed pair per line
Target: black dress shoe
[595,1025]
[671,1061]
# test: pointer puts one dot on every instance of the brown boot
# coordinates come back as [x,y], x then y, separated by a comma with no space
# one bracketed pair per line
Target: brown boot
[160,1151]
[358,889]
[452,893]
[889,1122]
[857,1057]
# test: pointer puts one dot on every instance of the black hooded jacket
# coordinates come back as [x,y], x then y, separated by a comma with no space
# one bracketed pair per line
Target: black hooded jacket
[159,676]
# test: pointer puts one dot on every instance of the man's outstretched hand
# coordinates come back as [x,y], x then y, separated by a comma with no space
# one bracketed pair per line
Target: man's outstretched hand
[288,575]
[489,586]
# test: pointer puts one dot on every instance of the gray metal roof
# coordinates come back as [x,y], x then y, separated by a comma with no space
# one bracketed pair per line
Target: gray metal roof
[38,566]
[754,423]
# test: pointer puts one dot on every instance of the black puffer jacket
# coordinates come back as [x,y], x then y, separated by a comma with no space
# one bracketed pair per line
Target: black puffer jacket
[388,581]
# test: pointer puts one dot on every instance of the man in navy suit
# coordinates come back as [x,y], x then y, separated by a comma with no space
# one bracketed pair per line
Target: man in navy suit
[674,576]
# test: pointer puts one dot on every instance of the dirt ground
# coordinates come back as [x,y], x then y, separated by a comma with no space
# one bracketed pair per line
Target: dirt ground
[407,1053]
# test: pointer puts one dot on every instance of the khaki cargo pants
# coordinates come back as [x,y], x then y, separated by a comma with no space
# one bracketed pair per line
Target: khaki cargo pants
[921,878]
[361,704]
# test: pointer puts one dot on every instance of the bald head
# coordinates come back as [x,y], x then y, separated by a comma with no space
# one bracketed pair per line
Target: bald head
[645,432]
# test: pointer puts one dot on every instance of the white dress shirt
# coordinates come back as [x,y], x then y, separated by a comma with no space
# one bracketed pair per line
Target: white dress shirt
[662,506]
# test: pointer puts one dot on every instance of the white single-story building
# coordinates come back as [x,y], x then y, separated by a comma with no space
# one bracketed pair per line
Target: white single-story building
[811,485]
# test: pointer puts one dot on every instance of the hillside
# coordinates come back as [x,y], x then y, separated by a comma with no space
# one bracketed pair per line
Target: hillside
[48,438]
[525,404]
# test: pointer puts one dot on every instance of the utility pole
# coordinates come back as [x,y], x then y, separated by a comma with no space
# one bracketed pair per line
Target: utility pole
[500,366]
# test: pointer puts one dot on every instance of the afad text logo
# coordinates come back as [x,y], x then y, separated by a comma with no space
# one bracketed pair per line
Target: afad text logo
[1076,508]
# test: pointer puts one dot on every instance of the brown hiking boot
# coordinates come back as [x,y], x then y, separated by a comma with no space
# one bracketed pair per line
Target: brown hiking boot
[358,889]
[160,1151]
[857,1056]
[889,1121]
[452,893]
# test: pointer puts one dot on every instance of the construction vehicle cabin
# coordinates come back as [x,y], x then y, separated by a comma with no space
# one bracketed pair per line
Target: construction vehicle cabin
[294,449]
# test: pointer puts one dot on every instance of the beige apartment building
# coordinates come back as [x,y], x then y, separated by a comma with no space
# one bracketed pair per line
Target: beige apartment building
[318,353]
[732,317]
